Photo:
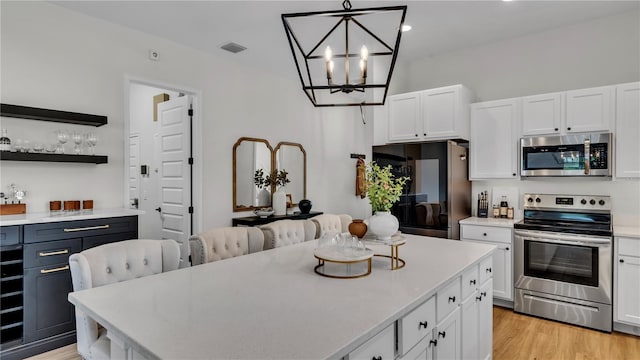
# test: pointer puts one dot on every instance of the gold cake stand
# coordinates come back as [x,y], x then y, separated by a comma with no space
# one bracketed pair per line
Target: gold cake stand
[338,255]
[397,240]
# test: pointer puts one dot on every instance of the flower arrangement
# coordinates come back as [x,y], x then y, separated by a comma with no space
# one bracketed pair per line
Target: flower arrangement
[382,187]
[277,178]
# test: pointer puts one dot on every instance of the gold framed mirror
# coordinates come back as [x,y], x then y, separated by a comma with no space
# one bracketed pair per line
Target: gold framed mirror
[251,157]
[292,158]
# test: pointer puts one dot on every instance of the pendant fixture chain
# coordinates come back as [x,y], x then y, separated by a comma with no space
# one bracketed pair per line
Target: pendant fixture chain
[346,4]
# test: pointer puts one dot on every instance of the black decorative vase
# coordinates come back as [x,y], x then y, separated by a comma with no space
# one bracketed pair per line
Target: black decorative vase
[304,206]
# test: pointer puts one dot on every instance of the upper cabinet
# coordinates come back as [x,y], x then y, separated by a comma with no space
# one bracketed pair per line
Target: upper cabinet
[627,134]
[434,114]
[562,113]
[493,151]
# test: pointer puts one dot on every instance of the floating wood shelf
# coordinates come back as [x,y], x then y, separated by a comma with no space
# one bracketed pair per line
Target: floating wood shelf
[26,112]
[20,156]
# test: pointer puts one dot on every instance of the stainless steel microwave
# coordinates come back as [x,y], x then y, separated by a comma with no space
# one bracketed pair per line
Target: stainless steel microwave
[586,154]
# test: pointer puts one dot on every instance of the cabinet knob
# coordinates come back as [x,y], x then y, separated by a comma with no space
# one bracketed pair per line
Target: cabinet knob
[416,135]
[478,298]
[621,260]
[484,234]
[514,174]
[507,248]
[556,129]
[158,209]
[423,324]
[484,293]
[442,333]
[488,269]
[433,342]
[569,128]
[425,134]
[376,358]
[452,299]
[472,282]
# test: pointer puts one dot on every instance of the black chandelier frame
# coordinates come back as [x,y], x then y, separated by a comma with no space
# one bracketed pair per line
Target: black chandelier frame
[346,15]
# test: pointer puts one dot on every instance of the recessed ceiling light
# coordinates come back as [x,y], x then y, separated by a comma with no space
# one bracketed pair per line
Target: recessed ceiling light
[233,47]
[406,28]
[507,0]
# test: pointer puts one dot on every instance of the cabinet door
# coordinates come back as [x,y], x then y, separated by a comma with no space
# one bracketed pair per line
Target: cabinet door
[628,290]
[628,130]
[440,113]
[589,109]
[493,145]
[502,272]
[448,335]
[404,117]
[485,321]
[47,311]
[541,114]
[381,346]
[469,313]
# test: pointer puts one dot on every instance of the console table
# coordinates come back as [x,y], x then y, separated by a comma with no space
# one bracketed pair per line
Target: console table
[256,220]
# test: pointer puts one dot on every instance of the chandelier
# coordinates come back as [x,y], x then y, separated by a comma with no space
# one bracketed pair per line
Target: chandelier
[345,57]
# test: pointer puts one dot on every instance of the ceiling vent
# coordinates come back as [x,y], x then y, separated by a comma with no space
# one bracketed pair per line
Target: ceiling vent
[233,47]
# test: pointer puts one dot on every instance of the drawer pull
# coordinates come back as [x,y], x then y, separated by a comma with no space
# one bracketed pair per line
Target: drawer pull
[484,234]
[376,358]
[452,299]
[47,271]
[488,269]
[433,342]
[423,324]
[484,293]
[59,252]
[442,333]
[479,298]
[472,282]
[621,260]
[87,228]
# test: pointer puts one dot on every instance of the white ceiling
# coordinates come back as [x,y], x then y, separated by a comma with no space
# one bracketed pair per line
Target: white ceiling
[438,26]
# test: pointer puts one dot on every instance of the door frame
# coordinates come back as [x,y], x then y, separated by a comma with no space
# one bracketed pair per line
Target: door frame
[196,141]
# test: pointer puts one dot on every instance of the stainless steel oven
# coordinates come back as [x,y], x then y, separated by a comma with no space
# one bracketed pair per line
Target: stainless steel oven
[587,154]
[563,259]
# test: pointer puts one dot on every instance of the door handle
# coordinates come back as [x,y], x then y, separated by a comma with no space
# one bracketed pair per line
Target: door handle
[47,271]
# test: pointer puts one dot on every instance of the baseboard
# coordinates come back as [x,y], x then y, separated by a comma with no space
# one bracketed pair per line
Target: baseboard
[503,303]
[38,347]
[628,329]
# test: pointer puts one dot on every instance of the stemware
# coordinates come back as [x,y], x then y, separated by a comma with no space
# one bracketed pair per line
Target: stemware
[77,139]
[91,139]
[63,137]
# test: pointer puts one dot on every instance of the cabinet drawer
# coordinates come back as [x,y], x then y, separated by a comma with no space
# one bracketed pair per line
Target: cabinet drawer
[470,281]
[10,235]
[50,252]
[448,298]
[82,228]
[381,346]
[416,325]
[93,241]
[628,246]
[486,270]
[486,233]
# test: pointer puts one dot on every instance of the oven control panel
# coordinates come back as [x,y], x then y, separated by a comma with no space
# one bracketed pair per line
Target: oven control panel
[576,202]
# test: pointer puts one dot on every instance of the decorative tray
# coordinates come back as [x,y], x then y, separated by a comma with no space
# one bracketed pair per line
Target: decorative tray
[396,239]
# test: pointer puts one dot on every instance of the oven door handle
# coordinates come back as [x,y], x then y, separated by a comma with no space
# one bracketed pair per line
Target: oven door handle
[564,239]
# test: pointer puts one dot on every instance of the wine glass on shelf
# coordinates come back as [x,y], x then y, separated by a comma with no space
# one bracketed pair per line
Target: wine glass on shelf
[91,139]
[77,139]
[63,137]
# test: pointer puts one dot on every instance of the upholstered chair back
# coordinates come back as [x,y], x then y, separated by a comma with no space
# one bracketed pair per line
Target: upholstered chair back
[287,232]
[330,223]
[223,243]
[112,263]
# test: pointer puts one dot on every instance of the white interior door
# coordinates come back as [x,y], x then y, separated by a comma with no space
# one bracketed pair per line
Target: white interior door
[175,172]
[134,172]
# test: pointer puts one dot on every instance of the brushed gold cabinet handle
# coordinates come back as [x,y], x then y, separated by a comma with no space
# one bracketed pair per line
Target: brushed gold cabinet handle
[47,271]
[87,228]
[59,252]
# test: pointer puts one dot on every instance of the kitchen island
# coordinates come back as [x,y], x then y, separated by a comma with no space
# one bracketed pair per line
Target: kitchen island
[271,304]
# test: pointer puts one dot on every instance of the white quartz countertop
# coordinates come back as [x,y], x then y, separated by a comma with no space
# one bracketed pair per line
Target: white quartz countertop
[628,231]
[489,221]
[271,304]
[45,217]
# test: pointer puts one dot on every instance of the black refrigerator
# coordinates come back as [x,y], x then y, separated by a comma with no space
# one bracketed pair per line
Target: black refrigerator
[438,193]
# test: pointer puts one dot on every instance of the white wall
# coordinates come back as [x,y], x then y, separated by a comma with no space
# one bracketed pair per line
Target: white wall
[599,52]
[55,58]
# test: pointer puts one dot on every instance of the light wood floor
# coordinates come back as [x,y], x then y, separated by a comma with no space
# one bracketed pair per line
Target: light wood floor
[515,337]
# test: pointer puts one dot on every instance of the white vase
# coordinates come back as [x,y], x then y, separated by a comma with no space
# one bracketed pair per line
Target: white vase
[279,202]
[263,198]
[382,224]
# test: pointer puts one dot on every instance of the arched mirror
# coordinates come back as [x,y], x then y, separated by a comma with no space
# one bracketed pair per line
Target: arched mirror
[252,159]
[292,158]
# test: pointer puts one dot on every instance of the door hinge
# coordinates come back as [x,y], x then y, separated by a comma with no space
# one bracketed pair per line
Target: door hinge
[190,209]
[190,112]
[190,161]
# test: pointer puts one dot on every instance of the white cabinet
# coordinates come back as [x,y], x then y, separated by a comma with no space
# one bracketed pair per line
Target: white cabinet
[502,268]
[485,321]
[448,337]
[476,313]
[404,117]
[627,134]
[589,109]
[381,346]
[627,281]
[493,149]
[542,114]
[434,114]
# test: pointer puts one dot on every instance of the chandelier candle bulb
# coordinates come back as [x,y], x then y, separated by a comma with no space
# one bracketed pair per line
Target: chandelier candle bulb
[327,57]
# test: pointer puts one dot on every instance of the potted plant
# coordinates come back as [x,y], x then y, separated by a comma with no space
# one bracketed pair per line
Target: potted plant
[383,190]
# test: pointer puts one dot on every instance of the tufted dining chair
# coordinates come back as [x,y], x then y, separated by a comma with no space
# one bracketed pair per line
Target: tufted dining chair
[113,263]
[223,243]
[331,223]
[287,232]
